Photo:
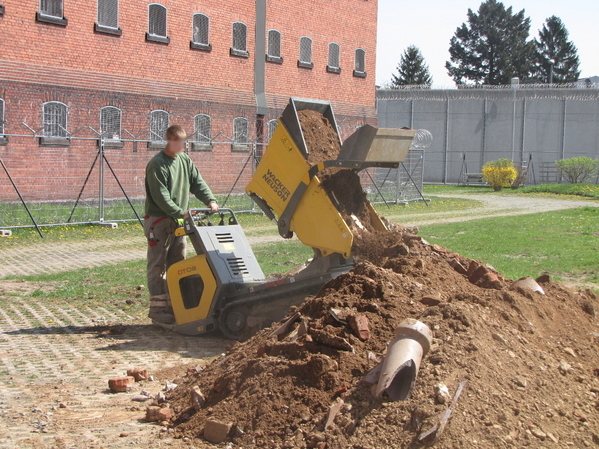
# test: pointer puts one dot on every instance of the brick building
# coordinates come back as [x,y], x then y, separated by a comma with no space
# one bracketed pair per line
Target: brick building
[70,69]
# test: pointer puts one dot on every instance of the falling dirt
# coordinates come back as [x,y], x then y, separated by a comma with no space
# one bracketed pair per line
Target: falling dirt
[342,185]
[530,361]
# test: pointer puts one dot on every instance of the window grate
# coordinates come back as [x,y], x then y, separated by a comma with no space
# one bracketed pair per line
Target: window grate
[53,8]
[274,43]
[1,117]
[202,128]
[55,119]
[240,131]
[157,20]
[110,123]
[334,55]
[201,29]
[239,36]
[272,126]
[108,13]
[360,60]
[305,50]
[158,125]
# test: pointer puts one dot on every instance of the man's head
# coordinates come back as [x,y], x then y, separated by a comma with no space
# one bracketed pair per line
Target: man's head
[175,140]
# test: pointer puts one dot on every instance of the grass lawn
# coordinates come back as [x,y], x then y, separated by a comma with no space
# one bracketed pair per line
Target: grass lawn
[586,190]
[564,244]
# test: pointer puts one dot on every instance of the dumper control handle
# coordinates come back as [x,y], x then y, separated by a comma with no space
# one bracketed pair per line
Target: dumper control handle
[202,217]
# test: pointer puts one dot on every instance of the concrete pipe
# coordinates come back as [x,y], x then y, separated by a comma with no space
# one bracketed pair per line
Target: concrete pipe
[400,366]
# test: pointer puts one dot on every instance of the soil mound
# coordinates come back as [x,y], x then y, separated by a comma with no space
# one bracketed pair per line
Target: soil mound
[530,360]
[322,141]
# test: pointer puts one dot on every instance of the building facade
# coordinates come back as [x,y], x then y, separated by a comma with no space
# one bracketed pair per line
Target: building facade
[74,70]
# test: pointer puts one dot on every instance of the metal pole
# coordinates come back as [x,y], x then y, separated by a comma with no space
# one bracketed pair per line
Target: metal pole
[101,182]
[251,156]
[123,190]
[377,189]
[446,142]
[21,198]
[83,187]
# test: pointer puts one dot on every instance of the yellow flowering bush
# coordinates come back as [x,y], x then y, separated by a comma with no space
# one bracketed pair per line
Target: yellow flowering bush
[499,173]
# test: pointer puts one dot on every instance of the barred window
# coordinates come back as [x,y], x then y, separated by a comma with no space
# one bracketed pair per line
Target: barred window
[157,20]
[108,13]
[55,119]
[241,131]
[360,57]
[239,36]
[201,28]
[110,123]
[158,125]
[272,126]
[274,43]
[334,55]
[305,50]
[202,129]
[52,8]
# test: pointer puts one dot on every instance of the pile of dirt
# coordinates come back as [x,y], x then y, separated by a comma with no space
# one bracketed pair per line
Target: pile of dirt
[530,361]
[342,185]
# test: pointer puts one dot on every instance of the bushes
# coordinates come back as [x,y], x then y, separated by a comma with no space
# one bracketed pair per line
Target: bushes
[499,173]
[577,169]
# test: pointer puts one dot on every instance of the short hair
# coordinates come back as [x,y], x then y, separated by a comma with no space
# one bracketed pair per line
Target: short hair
[175,132]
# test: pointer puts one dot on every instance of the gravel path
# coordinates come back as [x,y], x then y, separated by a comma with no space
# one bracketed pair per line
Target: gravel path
[64,256]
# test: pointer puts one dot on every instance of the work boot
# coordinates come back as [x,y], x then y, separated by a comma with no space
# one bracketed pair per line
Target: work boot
[163,315]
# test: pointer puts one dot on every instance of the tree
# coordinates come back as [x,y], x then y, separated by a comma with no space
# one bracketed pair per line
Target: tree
[556,56]
[492,47]
[577,169]
[411,69]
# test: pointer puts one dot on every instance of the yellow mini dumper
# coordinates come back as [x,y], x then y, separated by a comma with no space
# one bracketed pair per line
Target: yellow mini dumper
[223,286]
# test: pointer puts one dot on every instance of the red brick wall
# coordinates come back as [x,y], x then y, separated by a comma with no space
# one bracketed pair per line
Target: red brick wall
[86,70]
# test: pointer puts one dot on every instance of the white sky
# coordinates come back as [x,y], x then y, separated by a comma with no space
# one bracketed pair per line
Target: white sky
[430,24]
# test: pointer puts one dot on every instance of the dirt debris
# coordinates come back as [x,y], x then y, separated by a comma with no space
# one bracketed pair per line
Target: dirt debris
[521,386]
[322,141]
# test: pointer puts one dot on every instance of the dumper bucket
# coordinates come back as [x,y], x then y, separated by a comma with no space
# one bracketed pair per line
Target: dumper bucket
[287,185]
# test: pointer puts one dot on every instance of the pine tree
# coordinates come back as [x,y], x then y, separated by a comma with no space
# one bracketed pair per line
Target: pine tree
[554,49]
[411,69]
[492,47]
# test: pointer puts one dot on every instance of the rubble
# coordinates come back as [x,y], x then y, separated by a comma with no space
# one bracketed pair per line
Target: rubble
[509,345]
[121,384]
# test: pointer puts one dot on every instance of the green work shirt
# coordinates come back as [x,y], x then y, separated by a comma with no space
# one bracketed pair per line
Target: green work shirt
[168,184]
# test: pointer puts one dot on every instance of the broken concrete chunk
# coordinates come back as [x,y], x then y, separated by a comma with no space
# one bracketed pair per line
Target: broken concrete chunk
[457,266]
[121,384]
[216,432]
[528,283]
[197,398]
[442,393]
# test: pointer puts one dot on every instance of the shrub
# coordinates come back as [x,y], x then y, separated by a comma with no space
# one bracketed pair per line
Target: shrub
[521,177]
[499,173]
[577,169]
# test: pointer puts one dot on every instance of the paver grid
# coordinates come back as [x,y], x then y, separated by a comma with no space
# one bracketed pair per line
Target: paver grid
[54,353]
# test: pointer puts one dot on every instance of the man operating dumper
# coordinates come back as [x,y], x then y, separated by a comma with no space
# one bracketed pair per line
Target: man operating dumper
[170,177]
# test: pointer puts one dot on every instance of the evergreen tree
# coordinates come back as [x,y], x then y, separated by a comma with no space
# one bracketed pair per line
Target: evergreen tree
[411,69]
[554,49]
[492,47]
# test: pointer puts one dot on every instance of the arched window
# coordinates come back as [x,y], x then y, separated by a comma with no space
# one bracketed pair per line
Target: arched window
[108,13]
[272,126]
[360,65]
[241,130]
[305,53]
[52,8]
[274,46]
[157,24]
[110,123]
[202,140]
[239,42]
[158,125]
[334,53]
[55,119]
[201,32]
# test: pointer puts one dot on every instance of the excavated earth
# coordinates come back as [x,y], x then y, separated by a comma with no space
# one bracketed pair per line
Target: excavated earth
[530,361]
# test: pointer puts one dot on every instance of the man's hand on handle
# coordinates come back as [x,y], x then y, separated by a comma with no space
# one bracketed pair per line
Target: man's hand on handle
[213,207]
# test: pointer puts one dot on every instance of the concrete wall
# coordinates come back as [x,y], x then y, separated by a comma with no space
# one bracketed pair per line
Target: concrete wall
[488,124]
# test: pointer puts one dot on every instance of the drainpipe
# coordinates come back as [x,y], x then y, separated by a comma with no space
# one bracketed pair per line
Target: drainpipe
[260,58]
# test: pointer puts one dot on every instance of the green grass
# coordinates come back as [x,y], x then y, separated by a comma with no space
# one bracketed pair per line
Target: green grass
[280,257]
[561,243]
[585,190]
